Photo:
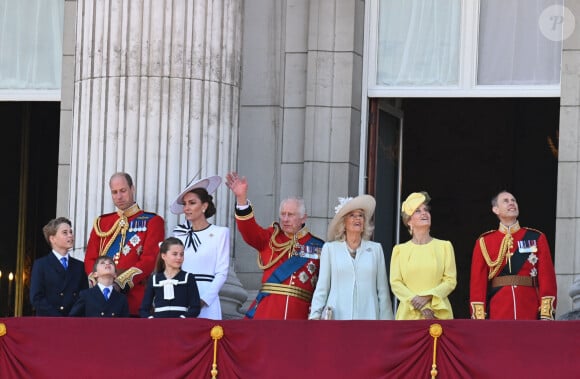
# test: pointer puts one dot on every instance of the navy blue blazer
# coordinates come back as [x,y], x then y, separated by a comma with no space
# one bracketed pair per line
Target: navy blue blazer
[54,290]
[92,303]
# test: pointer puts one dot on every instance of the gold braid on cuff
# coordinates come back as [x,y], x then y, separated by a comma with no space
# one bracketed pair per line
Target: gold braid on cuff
[127,277]
[478,311]
[547,308]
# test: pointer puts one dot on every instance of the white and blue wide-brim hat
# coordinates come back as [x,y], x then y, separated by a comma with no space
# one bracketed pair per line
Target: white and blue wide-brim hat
[210,184]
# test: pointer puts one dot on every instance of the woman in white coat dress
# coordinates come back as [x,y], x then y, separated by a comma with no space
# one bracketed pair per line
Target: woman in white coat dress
[207,246]
[353,277]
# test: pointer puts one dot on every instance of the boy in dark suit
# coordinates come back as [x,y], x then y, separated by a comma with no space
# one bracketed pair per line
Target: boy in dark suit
[102,300]
[57,278]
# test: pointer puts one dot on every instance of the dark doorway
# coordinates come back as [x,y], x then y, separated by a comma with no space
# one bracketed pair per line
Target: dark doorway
[464,151]
[30,131]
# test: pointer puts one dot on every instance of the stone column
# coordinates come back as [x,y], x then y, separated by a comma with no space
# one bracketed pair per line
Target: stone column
[567,259]
[302,70]
[156,95]
[333,107]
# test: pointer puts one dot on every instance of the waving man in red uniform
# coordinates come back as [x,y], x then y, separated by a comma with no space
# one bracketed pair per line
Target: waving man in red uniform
[512,275]
[130,236]
[287,252]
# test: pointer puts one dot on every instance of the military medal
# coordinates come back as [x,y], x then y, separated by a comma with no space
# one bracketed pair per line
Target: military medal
[527,246]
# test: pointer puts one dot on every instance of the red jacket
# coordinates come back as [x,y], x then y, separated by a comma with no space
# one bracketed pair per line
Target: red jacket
[135,259]
[512,302]
[280,306]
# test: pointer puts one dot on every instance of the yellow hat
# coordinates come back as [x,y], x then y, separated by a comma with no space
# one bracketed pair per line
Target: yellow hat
[414,201]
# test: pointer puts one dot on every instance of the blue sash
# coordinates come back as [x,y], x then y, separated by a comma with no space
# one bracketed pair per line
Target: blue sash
[284,271]
[137,225]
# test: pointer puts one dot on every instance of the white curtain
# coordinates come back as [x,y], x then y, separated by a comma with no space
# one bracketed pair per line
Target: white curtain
[31,44]
[512,48]
[419,42]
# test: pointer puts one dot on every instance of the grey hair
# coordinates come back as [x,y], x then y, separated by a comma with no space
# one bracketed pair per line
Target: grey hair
[298,200]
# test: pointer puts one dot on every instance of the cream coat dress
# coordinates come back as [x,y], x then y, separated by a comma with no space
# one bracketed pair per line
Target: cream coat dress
[355,289]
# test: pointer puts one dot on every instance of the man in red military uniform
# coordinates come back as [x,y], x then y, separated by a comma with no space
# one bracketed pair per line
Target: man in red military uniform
[512,274]
[130,236]
[287,252]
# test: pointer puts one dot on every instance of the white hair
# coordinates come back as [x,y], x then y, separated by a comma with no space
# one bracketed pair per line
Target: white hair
[299,201]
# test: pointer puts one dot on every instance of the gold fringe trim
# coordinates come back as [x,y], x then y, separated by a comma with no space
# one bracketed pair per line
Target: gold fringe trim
[217,332]
[435,330]
[2,329]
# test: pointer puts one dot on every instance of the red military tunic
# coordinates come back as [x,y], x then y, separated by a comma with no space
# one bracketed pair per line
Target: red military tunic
[134,252]
[291,299]
[521,295]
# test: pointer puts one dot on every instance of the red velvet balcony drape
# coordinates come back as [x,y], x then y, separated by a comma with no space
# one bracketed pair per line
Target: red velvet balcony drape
[36,347]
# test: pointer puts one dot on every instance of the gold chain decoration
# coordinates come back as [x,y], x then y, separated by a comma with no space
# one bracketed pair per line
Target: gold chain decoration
[506,244]
[217,332]
[435,330]
[2,329]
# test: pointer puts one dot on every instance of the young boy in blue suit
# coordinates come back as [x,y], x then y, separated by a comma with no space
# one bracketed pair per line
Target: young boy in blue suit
[102,300]
[57,278]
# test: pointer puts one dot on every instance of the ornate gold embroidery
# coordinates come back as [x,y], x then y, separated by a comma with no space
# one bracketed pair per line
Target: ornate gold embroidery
[478,311]
[281,249]
[120,226]
[127,277]
[547,308]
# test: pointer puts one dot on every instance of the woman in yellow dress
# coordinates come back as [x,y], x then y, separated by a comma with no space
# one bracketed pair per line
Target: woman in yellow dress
[423,269]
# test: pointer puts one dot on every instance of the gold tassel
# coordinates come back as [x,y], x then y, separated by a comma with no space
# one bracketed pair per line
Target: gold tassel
[2,329]
[436,331]
[217,332]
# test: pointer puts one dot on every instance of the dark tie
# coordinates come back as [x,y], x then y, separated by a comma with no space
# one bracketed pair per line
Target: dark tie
[64,262]
[106,293]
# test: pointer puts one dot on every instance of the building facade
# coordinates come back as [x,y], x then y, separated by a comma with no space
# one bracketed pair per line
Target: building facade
[323,99]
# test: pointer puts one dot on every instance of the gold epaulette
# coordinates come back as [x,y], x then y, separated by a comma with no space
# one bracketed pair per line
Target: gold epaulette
[486,233]
[532,229]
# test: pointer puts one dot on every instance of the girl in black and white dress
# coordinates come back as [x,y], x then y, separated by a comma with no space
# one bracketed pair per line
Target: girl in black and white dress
[170,292]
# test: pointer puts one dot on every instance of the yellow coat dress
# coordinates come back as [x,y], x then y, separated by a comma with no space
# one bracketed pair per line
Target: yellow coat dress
[422,270]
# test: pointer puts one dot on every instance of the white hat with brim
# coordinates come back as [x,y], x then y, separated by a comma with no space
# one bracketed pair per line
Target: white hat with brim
[365,202]
[210,184]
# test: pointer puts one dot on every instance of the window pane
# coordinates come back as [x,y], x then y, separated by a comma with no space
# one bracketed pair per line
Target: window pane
[419,42]
[512,48]
[31,44]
